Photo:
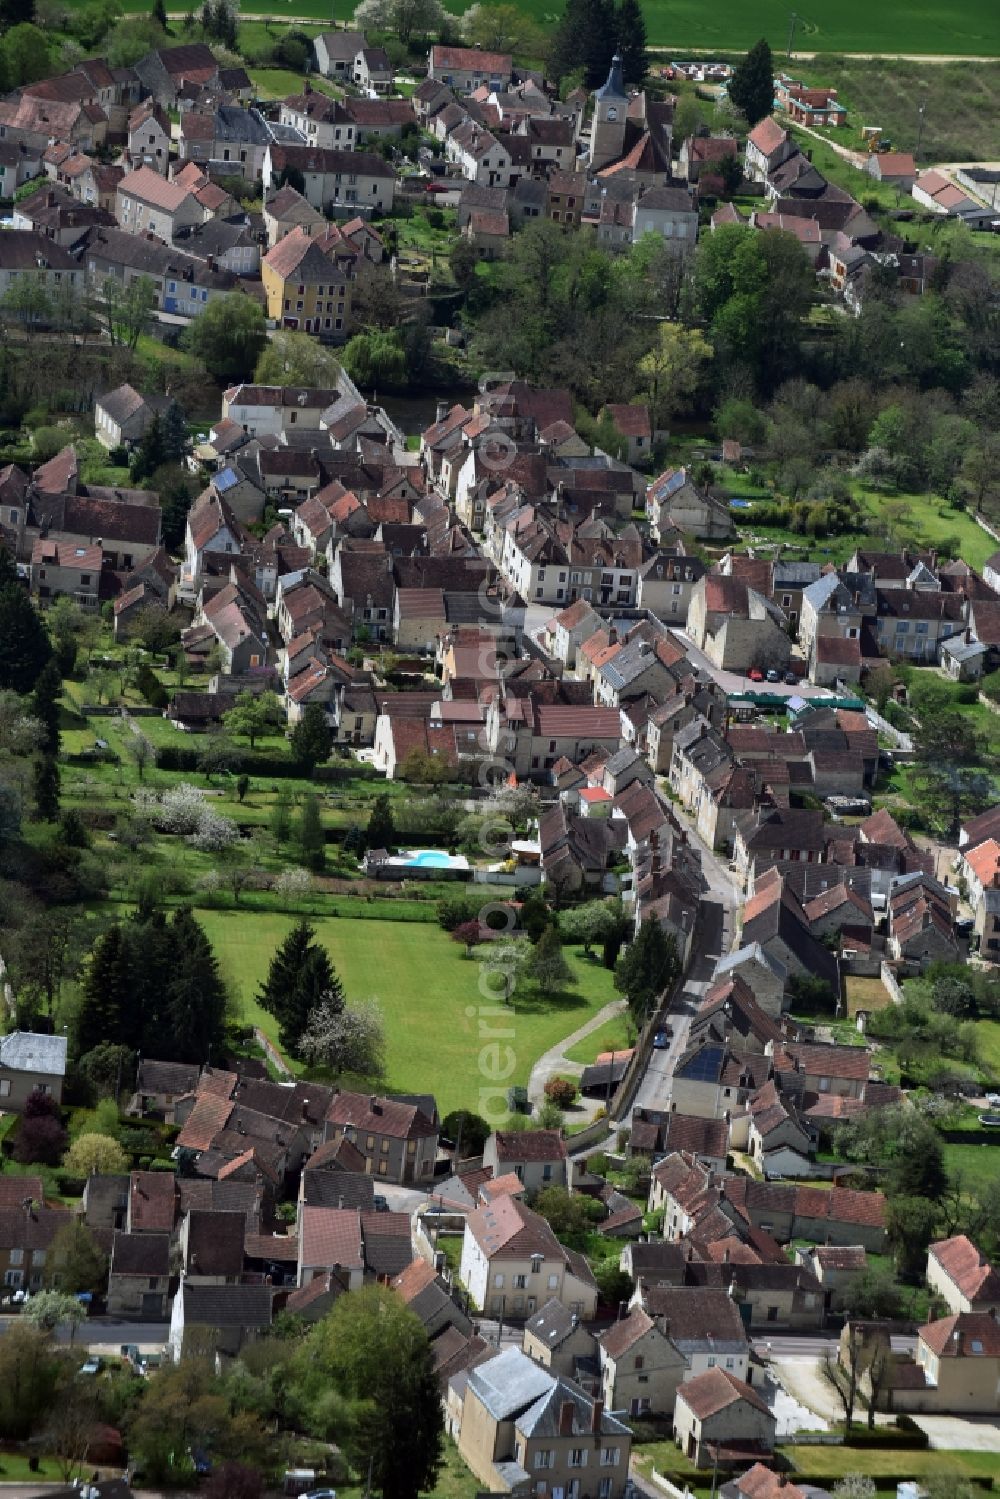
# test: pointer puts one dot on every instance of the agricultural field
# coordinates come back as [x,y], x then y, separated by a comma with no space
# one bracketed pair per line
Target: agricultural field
[961,102]
[678,25]
[428,991]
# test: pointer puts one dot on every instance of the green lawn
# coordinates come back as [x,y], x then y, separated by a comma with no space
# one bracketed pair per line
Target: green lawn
[279,83]
[818,1464]
[613,1035]
[977,1165]
[988,1037]
[429,995]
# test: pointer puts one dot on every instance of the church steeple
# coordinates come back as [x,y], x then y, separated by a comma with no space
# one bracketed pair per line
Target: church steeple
[614,88]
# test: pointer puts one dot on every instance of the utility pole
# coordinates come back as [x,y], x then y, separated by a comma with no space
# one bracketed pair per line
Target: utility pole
[920,128]
[793,22]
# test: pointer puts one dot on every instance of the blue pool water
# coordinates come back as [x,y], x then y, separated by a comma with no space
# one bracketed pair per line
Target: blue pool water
[430,856]
[740,504]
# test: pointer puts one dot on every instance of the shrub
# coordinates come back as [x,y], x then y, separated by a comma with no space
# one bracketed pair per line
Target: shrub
[561,1090]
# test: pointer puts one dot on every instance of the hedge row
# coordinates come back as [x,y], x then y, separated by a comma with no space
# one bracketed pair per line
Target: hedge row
[177,757]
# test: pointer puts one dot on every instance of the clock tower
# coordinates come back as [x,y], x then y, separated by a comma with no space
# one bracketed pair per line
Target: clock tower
[607,132]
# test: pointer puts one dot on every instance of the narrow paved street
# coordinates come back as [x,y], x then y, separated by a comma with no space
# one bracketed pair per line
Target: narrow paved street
[720,903]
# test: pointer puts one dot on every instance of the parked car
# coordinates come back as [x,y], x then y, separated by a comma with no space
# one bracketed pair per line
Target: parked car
[435,187]
[381,1203]
[755,674]
[993,1099]
[662,1038]
[791,680]
[964,926]
[92,1366]
[774,675]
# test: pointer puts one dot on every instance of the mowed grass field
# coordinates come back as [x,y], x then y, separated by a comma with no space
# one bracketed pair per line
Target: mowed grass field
[970,27]
[429,995]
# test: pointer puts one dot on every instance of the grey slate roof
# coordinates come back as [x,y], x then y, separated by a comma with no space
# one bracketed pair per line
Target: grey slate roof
[509,1383]
[28,1051]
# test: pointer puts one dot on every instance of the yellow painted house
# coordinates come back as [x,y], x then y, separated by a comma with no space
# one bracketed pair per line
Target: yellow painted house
[303,287]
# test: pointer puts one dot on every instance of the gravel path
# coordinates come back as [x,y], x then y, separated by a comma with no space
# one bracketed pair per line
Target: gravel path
[554,1060]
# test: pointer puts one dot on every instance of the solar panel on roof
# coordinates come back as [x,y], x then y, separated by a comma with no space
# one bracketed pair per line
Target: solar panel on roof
[705,1065]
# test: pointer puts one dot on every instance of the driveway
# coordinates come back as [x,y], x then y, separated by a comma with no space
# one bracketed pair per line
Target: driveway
[961,1433]
[553,1062]
[791,1415]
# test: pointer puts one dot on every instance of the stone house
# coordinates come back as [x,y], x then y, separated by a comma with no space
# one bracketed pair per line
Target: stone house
[641,1369]
[960,1359]
[396,1137]
[518,1423]
[537,1157]
[737,627]
[30,1063]
[26,1235]
[556,1338]
[465,69]
[718,1417]
[512,1263]
[962,1276]
[147,203]
[139,1276]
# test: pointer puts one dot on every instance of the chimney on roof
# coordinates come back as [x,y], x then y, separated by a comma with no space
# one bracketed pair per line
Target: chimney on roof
[566,1413]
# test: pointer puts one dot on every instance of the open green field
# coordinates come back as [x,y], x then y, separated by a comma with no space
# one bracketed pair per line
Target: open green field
[922,27]
[429,994]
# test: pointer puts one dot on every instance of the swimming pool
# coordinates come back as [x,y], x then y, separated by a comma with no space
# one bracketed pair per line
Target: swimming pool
[429,858]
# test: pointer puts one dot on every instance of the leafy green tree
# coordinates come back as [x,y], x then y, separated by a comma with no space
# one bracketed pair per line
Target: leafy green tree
[150,451]
[45,704]
[29,1378]
[131,38]
[376,359]
[312,839]
[751,87]
[570,1215]
[953,996]
[126,310]
[228,337]
[24,646]
[910,1227]
[48,1310]
[737,276]
[158,11]
[253,713]
[297,359]
[46,788]
[950,757]
[26,50]
[299,978]
[105,992]
[75,1262]
[281,818]
[875,1292]
[648,968]
[631,30]
[311,739]
[468,1132]
[546,966]
[107,1068]
[381,830]
[95,1154]
[194,998]
[373,1351]
[584,40]
[463,260]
